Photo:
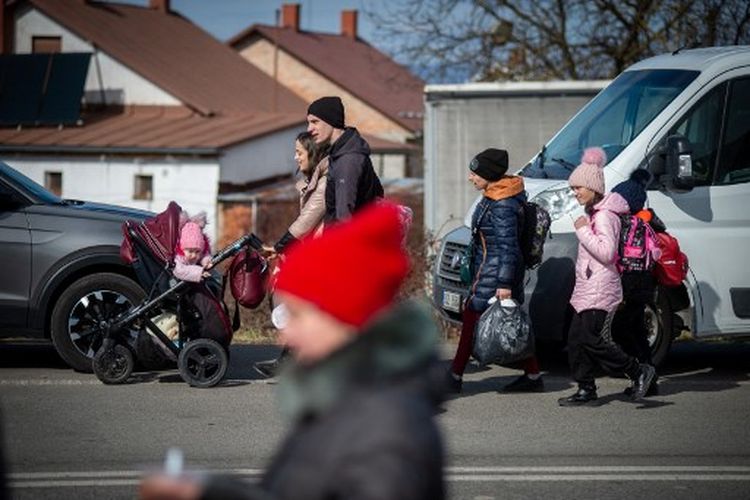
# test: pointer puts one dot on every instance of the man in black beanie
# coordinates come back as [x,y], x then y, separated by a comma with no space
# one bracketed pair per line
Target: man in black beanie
[352,181]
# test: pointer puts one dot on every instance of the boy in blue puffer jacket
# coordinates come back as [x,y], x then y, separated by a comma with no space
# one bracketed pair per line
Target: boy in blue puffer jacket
[497,260]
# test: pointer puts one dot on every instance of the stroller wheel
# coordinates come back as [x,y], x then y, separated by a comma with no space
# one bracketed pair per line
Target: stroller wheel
[113,366]
[203,363]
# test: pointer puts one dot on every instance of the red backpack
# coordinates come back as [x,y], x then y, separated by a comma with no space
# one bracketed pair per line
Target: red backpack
[672,266]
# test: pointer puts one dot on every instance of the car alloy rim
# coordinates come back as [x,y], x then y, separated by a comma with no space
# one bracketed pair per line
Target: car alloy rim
[88,313]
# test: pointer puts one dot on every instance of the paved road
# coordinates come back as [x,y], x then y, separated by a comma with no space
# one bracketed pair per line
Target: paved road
[68,436]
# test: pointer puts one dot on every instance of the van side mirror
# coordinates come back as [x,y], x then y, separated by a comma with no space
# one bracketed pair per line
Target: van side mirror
[679,163]
[672,164]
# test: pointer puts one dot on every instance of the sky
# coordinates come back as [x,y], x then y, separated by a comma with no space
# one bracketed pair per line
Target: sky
[226,18]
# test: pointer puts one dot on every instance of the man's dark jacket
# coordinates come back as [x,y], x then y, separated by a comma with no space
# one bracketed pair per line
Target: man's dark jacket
[352,181]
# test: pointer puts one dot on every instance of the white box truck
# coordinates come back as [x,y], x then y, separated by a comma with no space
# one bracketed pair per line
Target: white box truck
[685,116]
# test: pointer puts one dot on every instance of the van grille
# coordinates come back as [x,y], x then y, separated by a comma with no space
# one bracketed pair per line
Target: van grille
[448,272]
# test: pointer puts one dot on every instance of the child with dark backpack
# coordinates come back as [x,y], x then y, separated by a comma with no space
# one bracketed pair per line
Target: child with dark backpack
[598,291]
[637,259]
[497,267]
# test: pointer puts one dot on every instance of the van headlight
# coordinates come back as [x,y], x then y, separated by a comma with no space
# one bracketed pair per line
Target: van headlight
[557,202]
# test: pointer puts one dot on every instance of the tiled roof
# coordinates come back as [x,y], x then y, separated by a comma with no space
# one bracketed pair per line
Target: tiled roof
[149,129]
[162,129]
[174,54]
[353,64]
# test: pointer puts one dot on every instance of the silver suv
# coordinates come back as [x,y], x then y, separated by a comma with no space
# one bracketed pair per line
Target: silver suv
[61,267]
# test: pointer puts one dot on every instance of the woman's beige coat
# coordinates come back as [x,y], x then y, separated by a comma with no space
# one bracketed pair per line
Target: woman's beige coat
[312,202]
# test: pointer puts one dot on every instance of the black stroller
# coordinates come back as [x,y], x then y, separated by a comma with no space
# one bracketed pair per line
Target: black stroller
[204,330]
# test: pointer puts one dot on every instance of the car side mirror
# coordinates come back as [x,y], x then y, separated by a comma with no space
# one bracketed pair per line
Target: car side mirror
[672,164]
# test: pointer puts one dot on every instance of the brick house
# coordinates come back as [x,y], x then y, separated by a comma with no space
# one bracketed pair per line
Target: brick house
[382,98]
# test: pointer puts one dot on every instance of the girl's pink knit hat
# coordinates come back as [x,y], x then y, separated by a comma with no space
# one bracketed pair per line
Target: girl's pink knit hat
[191,234]
[589,173]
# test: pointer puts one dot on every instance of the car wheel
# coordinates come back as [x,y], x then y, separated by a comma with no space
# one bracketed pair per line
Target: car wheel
[659,327]
[81,307]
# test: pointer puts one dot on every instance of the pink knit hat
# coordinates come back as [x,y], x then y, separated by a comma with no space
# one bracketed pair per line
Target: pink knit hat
[191,236]
[589,173]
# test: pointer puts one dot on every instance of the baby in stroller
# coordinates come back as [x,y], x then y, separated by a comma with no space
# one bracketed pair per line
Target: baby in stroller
[169,254]
[192,263]
[192,256]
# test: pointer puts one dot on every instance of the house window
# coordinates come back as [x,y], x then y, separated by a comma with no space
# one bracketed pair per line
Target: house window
[53,182]
[46,44]
[144,187]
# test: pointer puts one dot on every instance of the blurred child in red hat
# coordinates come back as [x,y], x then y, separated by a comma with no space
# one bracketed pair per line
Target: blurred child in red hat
[359,390]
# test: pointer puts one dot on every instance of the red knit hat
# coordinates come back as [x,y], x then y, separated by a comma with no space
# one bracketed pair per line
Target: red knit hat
[352,271]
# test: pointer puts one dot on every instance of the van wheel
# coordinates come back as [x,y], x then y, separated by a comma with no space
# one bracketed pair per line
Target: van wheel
[81,307]
[659,327]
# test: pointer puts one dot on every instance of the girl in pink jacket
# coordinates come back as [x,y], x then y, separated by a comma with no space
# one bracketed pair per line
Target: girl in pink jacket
[598,290]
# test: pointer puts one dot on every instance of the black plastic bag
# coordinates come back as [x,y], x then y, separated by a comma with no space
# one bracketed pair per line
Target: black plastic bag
[503,335]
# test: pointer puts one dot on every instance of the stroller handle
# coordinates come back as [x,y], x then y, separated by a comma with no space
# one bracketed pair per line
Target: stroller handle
[234,247]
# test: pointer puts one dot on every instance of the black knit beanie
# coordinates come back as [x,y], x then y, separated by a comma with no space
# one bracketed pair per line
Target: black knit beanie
[328,109]
[633,190]
[491,164]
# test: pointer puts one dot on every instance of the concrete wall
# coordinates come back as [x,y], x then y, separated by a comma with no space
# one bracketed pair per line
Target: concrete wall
[462,120]
[389,166]
[258,159]
[191,183]
[107,81]
[310,85]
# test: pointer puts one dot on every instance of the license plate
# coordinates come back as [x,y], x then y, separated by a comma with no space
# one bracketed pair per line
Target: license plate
[451,301]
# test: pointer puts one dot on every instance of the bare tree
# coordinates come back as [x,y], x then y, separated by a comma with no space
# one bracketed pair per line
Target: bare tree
[488,40]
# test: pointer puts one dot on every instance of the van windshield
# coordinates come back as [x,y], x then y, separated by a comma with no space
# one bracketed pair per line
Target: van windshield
[611,120]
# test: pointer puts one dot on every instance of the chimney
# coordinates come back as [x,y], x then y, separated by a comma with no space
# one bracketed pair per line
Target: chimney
[160,5]
[349,23]
[290,16]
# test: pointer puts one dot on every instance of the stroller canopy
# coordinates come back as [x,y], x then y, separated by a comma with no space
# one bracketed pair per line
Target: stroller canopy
[160,234]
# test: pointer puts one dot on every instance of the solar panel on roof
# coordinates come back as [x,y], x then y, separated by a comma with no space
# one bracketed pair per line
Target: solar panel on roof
[62,99]
[42,89]
[21,85]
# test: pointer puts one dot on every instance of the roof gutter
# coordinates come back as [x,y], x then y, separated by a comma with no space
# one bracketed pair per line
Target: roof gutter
[23,148]
[514,89]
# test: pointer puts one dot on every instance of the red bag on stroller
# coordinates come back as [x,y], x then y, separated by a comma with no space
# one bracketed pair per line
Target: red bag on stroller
[247,278]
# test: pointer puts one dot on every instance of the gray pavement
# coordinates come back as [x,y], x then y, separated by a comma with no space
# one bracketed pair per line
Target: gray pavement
[68,436]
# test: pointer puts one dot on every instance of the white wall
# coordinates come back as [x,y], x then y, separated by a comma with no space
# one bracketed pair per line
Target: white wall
[260,158]
[119,84]
[191,183]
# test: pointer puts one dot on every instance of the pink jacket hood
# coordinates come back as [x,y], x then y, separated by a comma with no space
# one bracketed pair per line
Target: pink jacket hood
[597,279]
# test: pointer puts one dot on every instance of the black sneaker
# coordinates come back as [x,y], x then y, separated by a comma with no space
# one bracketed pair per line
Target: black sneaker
[453,385]
[583,396]
[643,382]
[268,368]
[525,384]
[653,390]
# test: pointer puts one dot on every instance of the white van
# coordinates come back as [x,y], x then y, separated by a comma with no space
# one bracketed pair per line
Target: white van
[700,98]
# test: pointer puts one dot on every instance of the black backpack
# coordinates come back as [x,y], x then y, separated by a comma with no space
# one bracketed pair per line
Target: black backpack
[534,230]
